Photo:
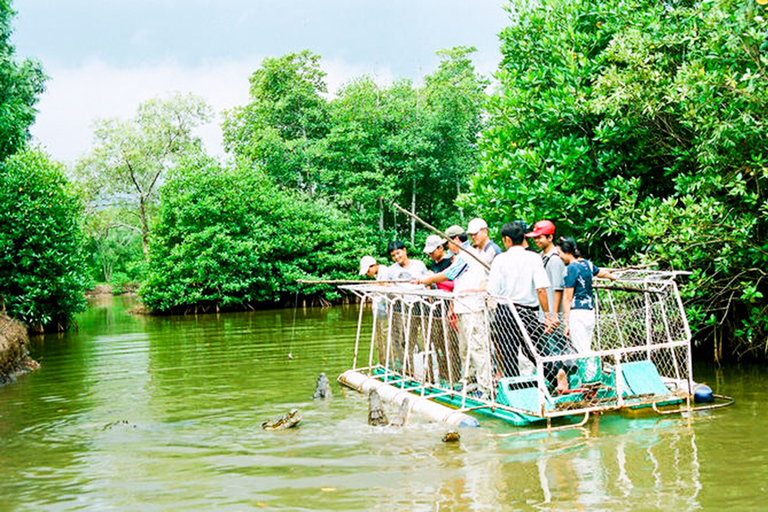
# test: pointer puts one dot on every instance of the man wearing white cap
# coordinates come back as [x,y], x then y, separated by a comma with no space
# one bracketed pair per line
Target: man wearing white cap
[369,267]
[434,247]
[487,248]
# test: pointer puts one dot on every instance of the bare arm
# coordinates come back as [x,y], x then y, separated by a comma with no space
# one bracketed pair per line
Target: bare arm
[606,275]
[542,293]
[567,307]
[430,279]
[544,302]
[558,298]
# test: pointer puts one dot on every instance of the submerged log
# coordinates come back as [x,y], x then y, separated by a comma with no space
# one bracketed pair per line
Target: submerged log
[14,357]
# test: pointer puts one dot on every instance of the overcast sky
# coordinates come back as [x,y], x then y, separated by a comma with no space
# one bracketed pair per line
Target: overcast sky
[104,57]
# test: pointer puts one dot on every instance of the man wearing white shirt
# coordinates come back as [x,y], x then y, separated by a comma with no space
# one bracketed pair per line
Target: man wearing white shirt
[519,276]
[469,276]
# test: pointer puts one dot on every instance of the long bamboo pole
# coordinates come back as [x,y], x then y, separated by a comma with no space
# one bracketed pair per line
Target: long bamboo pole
[442,234]
[351,281]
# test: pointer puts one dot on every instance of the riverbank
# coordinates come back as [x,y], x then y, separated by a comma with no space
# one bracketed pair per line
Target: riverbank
[14,357]
[106,289]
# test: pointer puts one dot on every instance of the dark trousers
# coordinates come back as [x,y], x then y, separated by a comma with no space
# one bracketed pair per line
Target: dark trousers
[509,340]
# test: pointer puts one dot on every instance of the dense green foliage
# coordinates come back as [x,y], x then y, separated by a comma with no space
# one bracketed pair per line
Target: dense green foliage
[21,83]
[368,146]
[228,237]
[42,275]
[640,127]
[312,188]
[113,246]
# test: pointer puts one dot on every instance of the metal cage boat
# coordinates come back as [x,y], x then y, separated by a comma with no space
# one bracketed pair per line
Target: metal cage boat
[457,358]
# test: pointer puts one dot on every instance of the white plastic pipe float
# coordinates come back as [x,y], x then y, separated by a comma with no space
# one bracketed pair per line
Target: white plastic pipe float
[416,404]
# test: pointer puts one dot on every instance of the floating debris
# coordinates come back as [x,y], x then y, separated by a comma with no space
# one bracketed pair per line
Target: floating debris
[118,424]
[451,436]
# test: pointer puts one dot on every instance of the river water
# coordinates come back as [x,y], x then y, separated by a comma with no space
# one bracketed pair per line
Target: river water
[148,413]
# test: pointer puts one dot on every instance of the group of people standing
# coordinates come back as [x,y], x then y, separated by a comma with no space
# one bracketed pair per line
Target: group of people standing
[550,290]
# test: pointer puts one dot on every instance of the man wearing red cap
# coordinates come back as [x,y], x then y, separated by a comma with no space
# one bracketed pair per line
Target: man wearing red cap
[543,235]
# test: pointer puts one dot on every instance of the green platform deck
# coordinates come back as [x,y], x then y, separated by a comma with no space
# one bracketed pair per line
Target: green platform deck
[641,384]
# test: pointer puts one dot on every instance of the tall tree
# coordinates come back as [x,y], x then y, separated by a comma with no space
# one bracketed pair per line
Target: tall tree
[42,269]
[371,144]
[131,158]
[354,173]
[287,115]
[21,83]
[455,98]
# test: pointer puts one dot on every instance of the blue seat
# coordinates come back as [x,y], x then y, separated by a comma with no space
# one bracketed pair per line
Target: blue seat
[642,378]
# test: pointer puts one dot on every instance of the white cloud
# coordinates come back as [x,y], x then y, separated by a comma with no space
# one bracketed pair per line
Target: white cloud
[77,97]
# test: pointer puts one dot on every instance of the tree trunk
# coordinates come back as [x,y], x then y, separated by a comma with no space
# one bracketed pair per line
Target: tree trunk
[144,229]
[381,214]
[106,269]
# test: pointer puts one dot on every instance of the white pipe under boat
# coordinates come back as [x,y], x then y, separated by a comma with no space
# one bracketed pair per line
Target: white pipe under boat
[396,396]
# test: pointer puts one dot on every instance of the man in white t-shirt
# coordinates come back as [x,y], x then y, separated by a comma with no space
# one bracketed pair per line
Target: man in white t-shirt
[405,342]
[543,235]
[404,267]
[469,277]
[518,275]
[369,267]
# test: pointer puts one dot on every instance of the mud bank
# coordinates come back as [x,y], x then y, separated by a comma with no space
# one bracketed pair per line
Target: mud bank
[14,357]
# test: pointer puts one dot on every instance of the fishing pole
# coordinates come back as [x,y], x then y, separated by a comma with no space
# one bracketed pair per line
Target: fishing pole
[442,234]
[351,281]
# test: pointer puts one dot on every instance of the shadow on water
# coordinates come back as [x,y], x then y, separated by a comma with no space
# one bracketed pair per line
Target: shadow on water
[165,412]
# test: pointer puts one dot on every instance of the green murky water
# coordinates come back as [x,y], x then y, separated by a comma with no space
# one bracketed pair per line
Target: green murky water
[142,413]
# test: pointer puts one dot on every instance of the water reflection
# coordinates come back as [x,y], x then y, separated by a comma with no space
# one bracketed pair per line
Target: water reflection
[164,413]
[654,463]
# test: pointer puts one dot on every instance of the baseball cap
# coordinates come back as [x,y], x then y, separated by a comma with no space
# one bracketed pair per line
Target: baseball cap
[454,231]
[543,227]
[432,243]
[476,225]
[365,264]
